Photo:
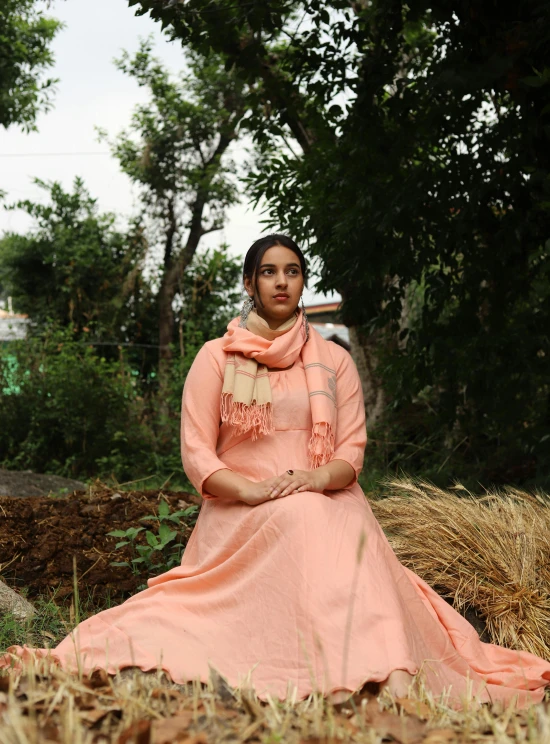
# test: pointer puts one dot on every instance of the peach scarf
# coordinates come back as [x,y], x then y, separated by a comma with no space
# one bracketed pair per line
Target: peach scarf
[246,394]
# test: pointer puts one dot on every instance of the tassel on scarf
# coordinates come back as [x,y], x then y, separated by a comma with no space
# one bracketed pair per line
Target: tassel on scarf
[258,419]
[321,445]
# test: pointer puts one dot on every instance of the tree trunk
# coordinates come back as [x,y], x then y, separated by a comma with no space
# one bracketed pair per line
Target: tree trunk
[166,322]
[176,263]
[165,298]
[364,354]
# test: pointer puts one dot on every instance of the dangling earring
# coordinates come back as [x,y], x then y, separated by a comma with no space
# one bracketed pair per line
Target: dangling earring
[305,321]
[248,304]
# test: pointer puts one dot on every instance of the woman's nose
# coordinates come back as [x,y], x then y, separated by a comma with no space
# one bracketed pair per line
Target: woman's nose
[281,280]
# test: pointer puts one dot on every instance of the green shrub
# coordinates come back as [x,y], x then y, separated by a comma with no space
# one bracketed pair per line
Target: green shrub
[64,407]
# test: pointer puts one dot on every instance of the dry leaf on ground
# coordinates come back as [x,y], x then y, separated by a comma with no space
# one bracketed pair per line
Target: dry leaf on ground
[172,729]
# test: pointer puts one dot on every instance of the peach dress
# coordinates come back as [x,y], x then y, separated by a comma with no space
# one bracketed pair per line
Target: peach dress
[296,594]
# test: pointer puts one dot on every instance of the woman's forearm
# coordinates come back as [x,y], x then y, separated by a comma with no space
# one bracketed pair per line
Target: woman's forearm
[226,485]
[230,486]
[335,475]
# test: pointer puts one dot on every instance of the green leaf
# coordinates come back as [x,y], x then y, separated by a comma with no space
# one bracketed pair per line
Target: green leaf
[149,518]
[166,533]
[164,509]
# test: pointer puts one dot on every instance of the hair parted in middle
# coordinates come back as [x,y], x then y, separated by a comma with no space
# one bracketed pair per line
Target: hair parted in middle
[255,254]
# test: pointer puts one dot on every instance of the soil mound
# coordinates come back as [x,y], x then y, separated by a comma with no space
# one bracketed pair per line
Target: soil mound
[40,535]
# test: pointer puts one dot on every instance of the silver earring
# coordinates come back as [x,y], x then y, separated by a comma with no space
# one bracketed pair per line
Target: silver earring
[248,304]
[305,320]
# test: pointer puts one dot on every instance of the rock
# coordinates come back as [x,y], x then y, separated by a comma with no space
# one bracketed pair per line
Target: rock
[21,484]
[12,602]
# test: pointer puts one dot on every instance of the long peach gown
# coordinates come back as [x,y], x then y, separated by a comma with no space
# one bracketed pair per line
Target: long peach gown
[296,594]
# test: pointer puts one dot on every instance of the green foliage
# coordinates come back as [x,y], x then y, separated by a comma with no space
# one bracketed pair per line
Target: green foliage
[69,408]
[26,35]
[170,147]
[408,145]
[210,294]
[176,153]
[76,269]
[87,394]
[162,550]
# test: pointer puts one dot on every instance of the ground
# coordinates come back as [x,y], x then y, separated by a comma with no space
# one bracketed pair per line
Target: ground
[47,706]
[40,536]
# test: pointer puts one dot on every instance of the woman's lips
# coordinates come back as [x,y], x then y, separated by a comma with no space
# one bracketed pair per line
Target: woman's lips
[281,298]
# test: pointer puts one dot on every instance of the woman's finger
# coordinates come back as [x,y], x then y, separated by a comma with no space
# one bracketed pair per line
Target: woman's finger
[279,488]
[277,481]
[293,487]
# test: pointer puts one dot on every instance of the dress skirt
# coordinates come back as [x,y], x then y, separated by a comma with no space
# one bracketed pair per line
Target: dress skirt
[297,595]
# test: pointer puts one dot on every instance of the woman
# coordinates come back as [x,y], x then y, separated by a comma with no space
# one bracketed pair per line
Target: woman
[288,583]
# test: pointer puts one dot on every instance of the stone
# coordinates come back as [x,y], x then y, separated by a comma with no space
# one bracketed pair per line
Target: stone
[13,602]
[20,484]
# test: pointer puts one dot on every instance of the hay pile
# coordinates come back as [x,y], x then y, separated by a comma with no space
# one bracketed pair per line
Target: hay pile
[489,553]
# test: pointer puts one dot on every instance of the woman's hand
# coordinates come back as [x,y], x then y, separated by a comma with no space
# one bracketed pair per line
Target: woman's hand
[256,493]
[334,475]
[283,485]
[300,480]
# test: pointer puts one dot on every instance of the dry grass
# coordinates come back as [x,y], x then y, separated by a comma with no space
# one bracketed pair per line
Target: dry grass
[49,706]
[489,553]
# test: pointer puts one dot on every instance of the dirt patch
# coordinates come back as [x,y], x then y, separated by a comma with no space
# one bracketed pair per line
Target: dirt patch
[40,535]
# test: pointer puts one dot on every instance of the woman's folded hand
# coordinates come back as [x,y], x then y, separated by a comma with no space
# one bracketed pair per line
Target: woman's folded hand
[283,485]
[334,475]
[297,481]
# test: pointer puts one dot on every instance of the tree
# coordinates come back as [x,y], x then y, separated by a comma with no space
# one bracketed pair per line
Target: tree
[210,293]
[76,269]
[316,74]
[175,151]
[26,34]
[80,393]
[407,143]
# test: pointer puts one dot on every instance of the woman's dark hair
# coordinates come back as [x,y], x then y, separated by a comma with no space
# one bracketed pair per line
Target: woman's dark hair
[256,252]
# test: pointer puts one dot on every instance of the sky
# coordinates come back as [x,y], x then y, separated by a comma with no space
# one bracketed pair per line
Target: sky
[91,94]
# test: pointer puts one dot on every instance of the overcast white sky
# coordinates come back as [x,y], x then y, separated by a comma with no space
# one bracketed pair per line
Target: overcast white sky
[92,93]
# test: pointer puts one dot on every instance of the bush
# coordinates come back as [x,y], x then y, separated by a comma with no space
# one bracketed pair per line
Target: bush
[64,407]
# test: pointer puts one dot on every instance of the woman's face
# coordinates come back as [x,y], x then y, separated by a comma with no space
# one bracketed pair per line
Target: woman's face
[279,285]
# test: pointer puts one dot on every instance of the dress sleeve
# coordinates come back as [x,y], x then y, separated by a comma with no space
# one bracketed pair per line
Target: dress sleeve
[200,420]
[351,433]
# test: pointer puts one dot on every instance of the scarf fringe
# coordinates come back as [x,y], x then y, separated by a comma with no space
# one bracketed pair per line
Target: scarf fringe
[258,419]
[321,445]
